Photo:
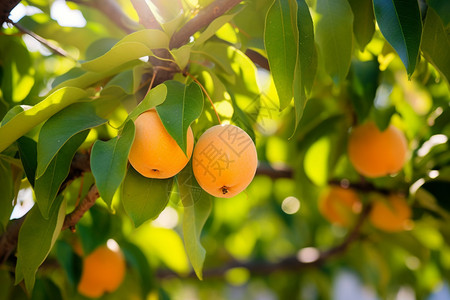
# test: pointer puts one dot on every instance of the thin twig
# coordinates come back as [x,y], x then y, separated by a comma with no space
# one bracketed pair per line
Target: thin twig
[112,10]
[202,19]
[290,263]
[258,59]
[6,6]
[207,95]
[53,48]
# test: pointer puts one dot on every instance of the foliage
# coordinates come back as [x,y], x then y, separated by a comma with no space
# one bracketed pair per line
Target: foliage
[295,75]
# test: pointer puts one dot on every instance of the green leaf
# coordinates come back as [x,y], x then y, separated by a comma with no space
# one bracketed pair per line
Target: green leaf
[241,118]
[442,8]
[306,65]
[197,207]
[136,258]
[7,194]
[307,53]
[181,55]
[46,289]
[60,128]
[69,261]
[123,80]
[280,42]
[14,111]
[17,67]
[109,162]
[364,21]
[28,156]
[99,47]
[7,284]
[144,198]
[36,238]
[184,104]
[218,53]
[364,83]
[28,119]
[334,36]
[400,23]
[47,186]
[436,43]
[131,47]
[117,56]
[95,228]
[156,96]
[87,79]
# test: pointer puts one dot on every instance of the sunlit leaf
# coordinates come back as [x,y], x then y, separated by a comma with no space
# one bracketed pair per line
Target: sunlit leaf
[60,128]
[36,238]
[26,120]
[18,72]
[109,162]
[280,41]
[131,47]
[401,25]
[334,36]
[144,198]
[197,207]
[86,79]
[215,25]
[183,104]
[165,245]
[181,55]
[156,96]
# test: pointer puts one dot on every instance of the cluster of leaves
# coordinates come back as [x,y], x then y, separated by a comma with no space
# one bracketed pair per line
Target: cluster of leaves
[325,55]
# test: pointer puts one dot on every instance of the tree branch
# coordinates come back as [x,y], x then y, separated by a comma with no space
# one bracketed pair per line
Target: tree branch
[6,6]
[112,10]
[79,165]
[290,263]
[146,16]
[72,219]
[258,59]
[202,19]
[8,240]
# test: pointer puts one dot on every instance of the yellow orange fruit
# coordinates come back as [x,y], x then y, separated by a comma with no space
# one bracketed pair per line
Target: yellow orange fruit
[376,153]
[339,206]
[154,153]
[390,214]
[224,160]
[103,271]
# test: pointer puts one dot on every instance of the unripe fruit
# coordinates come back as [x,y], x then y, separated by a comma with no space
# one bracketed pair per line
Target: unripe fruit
[390,214]
[154,153]
[103,271]
[376,153]
[339,205]
[224,160]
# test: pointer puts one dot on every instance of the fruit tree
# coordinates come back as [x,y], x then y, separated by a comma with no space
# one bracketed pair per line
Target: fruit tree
[224,149]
